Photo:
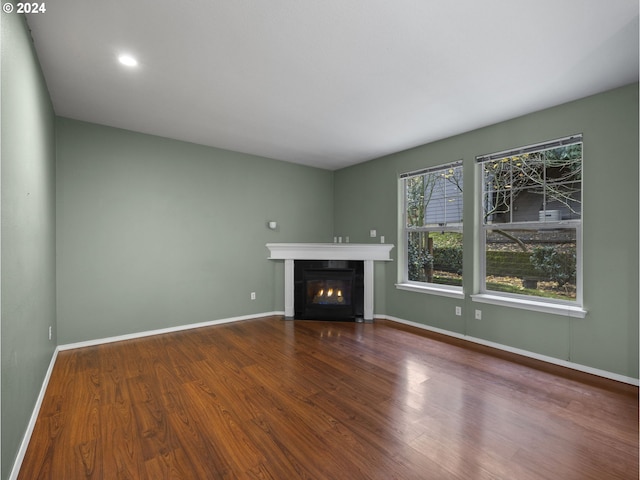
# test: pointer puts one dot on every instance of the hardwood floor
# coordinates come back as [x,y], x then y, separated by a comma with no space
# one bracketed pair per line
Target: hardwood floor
[272,399]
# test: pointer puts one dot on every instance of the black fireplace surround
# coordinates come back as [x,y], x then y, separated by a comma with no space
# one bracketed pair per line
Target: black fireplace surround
[328,290]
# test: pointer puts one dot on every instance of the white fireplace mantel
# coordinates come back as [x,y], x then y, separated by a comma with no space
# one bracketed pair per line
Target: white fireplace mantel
[366,252]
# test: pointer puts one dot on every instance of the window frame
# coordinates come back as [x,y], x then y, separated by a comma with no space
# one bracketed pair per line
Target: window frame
[572,308]
[404,230]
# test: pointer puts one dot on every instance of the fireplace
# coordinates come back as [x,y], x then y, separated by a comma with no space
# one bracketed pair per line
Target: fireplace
[362,253]
[328,290]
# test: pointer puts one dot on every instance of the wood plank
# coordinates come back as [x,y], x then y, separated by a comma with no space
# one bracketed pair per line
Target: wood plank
[274,399]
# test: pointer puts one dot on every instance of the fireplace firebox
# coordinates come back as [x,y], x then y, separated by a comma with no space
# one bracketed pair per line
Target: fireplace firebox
[328,290]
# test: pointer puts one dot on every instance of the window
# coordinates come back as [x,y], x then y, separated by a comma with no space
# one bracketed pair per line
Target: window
[432,227]
[531,222]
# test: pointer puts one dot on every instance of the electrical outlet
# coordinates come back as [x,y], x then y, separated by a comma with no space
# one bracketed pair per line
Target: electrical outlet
[478,314]
[458,311]
[381,238]
[373,233]
[253,295]
[50,332]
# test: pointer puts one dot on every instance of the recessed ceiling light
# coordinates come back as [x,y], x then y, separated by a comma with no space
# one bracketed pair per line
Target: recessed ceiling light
[127,60]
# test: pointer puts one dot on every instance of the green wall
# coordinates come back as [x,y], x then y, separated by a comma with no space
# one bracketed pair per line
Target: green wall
[155,233]
[152,233]
[366,196]
[27,235]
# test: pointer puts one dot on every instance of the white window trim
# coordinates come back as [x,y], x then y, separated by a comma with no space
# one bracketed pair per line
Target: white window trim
[432,288]
[573,311]
[404,283]
[528,302]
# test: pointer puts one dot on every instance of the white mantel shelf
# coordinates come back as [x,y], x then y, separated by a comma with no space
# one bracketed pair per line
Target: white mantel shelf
[329,251]
[366,252]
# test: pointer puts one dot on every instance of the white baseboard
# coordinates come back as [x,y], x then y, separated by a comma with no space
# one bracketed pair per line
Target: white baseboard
[525,353]
[32,421]
[179,328]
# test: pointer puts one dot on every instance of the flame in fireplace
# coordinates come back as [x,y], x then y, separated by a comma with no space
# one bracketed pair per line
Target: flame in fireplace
[330,296]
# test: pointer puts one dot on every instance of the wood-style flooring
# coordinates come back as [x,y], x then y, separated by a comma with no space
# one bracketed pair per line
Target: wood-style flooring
[275,399]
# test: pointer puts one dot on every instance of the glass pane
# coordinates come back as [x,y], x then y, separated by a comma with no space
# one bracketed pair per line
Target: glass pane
[528,169]
[532,262]
[563,200]
[450,187]
[540,186]
[435,257]
[497,191]
[414,191]
[419,259]
[527,203]
[434,198]
[447,258]
[563,188]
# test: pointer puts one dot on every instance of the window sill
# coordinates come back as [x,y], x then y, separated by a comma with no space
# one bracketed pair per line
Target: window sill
[446,292]
[536,306]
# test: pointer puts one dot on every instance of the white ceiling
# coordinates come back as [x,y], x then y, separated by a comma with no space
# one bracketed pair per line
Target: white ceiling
[328,83]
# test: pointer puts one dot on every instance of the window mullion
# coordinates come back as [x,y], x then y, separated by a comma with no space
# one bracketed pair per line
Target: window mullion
[544,182]
[511,196]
